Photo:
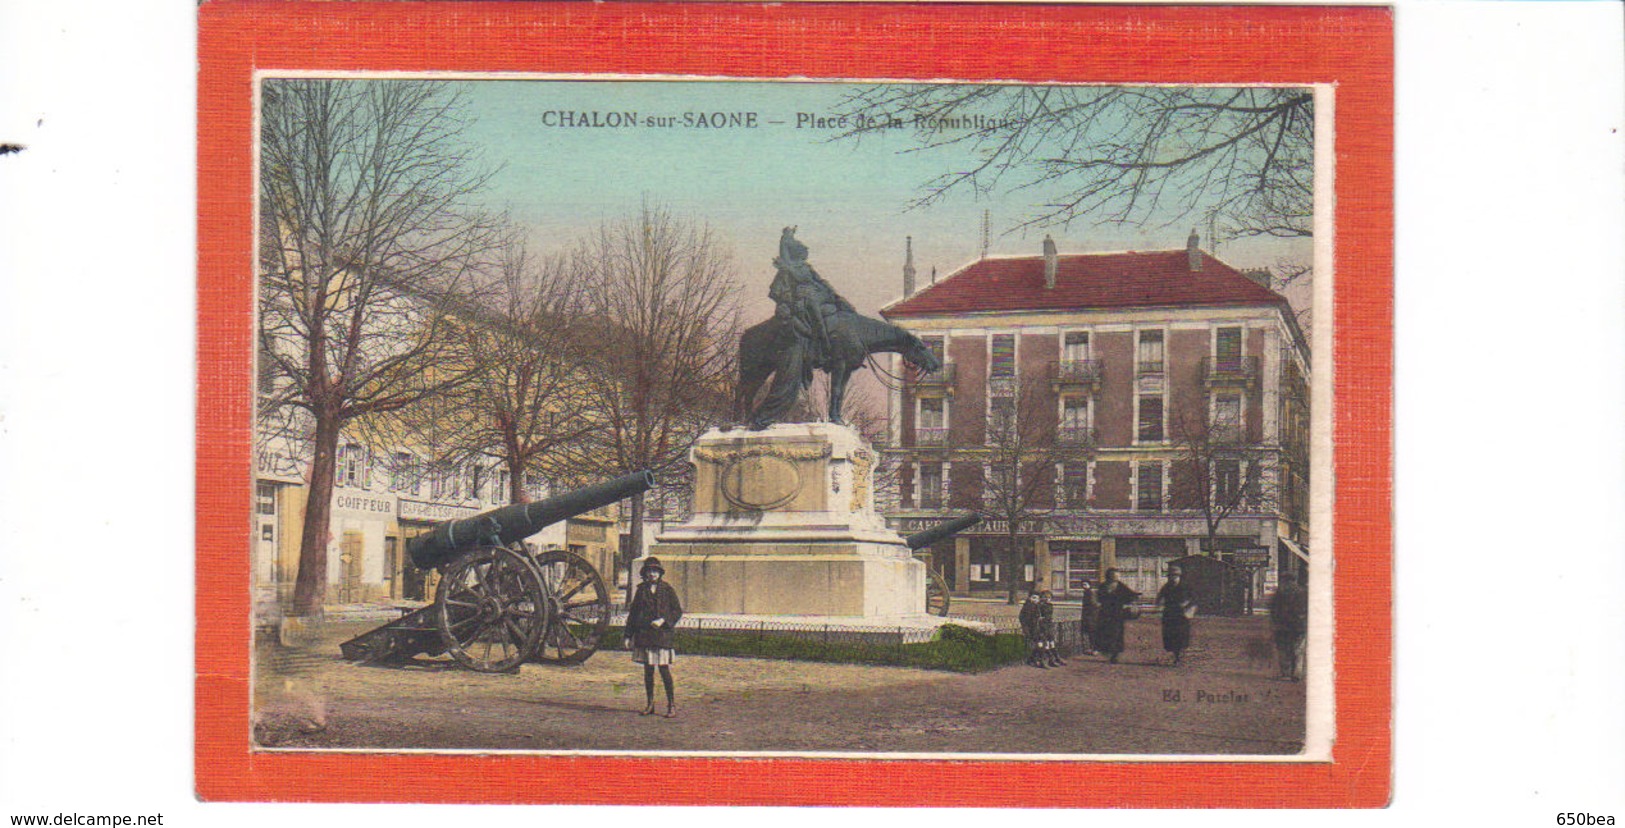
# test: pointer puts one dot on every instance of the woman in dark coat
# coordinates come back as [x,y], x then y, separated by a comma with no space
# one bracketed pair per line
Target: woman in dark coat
[1031,618]
[1087,618]
[1178,605]
[654,612]
[1116,601]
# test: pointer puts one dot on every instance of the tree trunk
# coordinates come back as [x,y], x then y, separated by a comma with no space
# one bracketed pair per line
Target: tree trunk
[516,480]
[310,585]
[1012,568]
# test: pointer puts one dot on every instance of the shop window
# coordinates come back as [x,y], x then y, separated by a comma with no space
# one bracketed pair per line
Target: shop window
[265,497]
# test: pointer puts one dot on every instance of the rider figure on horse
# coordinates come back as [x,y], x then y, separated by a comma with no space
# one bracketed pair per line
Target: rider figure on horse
[805,301]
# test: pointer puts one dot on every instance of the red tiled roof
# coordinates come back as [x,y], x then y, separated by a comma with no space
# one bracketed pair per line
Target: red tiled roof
[1161,278]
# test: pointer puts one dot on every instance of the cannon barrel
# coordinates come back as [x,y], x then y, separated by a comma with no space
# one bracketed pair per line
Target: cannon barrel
[442,544]
[945,529]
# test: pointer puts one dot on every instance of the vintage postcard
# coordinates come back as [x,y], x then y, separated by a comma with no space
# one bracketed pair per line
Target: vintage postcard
[996,396]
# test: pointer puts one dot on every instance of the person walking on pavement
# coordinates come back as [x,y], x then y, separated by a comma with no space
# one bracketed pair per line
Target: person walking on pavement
[1178,608]
[1289,619]
[1086,619]
[1116,606]
[1046,631]
[655,610]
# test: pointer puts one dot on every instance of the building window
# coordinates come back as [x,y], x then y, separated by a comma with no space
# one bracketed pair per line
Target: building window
[474,481]
[535,487]
[1001,420]
[1150,356]
[1001,484]
[1227,417]
[1002,365]
[1149,496]
[1001,375]
[1226,481]
[931,486]
[1150,424]
[499,488]
[931,426]
[1227,349]
[265,495]
[932,413]
[1074,485]
[407,473]
[1075,346]
[1074,420]
[936,345]
[352,466]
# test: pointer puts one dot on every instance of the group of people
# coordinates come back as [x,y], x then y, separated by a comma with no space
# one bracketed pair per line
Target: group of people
[1106,607]
[1111,603]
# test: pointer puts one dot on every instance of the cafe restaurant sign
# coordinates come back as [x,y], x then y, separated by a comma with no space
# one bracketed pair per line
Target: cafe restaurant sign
[434,512]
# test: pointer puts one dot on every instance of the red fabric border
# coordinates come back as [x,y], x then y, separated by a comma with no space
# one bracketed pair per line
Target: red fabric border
[1351,47]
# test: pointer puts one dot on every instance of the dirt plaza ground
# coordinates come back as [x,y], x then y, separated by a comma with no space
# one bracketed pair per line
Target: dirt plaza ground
[1223,699]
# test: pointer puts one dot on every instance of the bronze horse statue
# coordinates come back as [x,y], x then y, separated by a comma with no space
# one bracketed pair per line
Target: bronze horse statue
[771,348]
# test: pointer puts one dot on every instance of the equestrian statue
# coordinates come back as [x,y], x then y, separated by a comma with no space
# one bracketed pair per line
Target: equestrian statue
[812,327]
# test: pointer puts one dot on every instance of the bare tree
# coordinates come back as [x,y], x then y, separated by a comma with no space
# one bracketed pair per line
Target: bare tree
[1238,160]
[1217,470]
[366,230]
[525,342]
[662,294]
[1025,445]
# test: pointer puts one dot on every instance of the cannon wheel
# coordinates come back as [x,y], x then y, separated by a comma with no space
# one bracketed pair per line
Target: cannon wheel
[580,608]
[936,594]
[493,609]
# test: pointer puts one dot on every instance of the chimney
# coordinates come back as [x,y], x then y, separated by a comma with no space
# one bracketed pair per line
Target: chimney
[1050,263]
[933,274]
[908,269]
[1193,251]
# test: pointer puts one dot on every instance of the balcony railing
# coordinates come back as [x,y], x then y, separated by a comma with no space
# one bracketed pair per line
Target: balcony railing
[1226,434]
[1075,436]
[1076,372]
[1230,370]
[942,377]
[924,436]
[1001,387]
[1150,367]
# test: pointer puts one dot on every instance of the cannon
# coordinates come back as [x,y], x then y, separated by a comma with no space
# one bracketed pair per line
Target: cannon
[936,589]
[499,605]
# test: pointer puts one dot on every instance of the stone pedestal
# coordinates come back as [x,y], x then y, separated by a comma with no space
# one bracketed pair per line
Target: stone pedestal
[785,524]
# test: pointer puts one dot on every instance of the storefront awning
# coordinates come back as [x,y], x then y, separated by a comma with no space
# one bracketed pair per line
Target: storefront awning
[1296,549]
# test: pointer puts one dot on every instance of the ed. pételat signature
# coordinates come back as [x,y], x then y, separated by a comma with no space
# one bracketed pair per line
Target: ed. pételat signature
[1172,696]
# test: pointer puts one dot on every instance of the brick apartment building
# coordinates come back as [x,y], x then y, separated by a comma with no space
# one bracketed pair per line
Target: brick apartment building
[1147,364]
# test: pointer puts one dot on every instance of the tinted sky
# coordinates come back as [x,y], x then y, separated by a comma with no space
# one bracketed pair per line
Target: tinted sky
[849,199]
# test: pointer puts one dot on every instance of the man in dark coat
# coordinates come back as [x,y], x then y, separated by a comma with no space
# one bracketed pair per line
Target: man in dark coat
[1178,606]
[654,612]
[1116,602]
[1289,619]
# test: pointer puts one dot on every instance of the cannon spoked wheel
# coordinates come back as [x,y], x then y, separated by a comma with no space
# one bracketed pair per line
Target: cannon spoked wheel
[936,594]
[493,609]
[580,608]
